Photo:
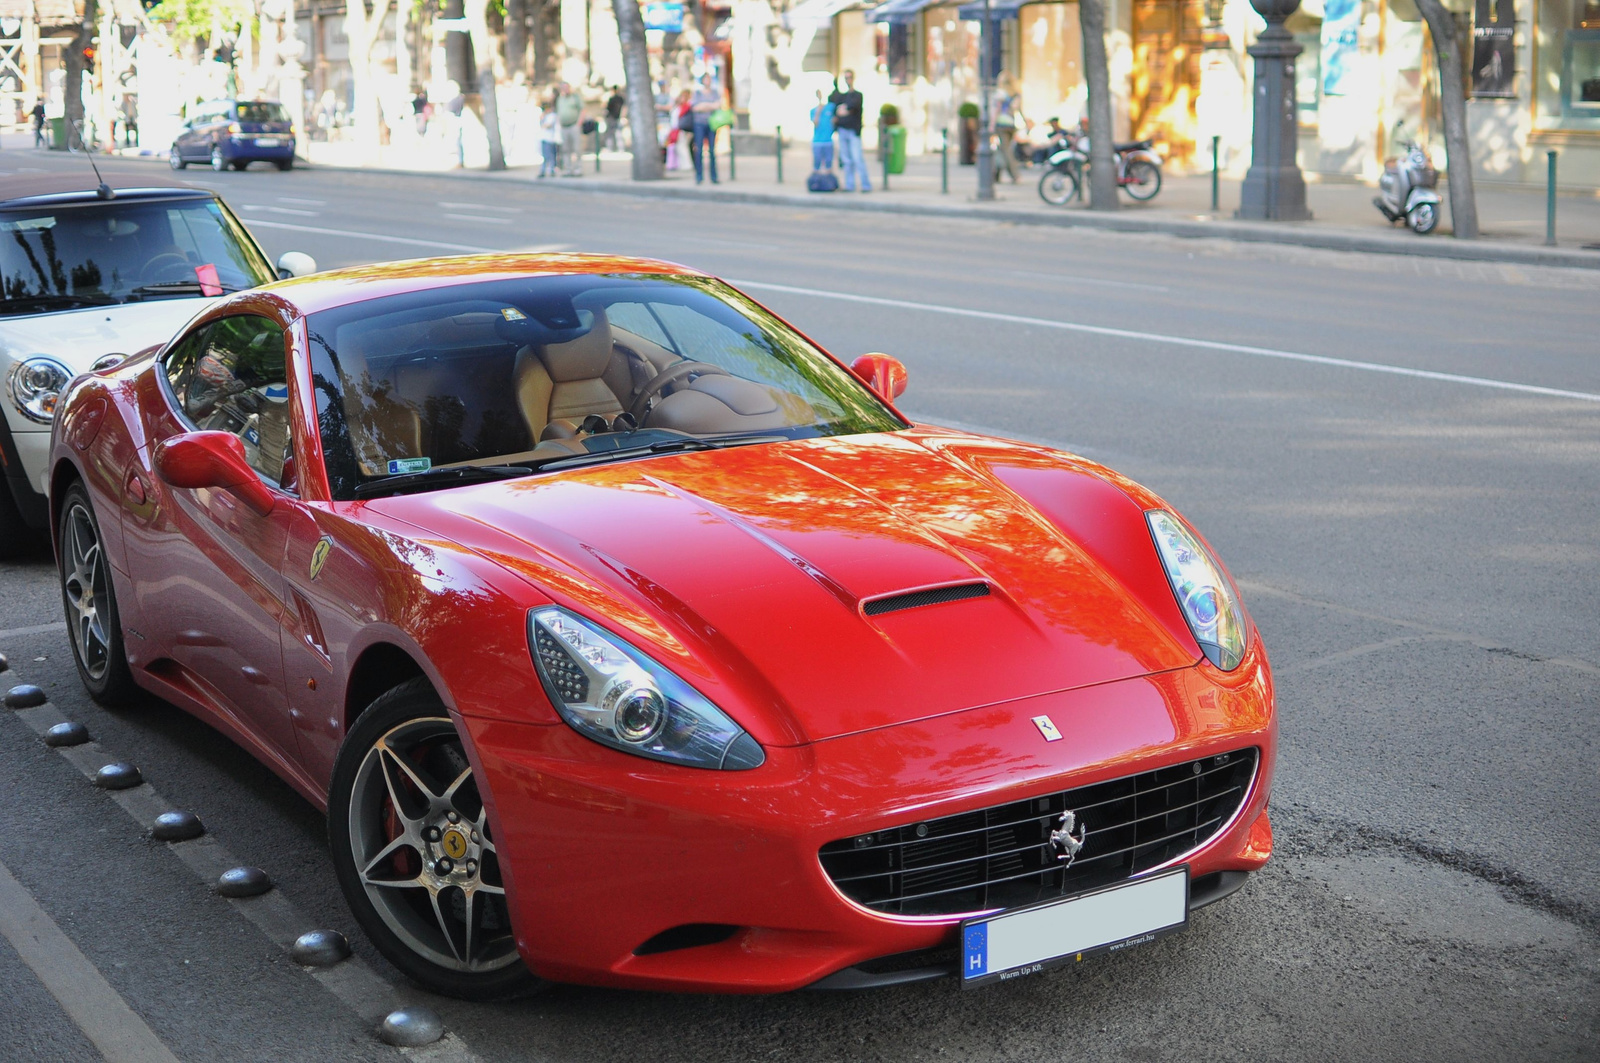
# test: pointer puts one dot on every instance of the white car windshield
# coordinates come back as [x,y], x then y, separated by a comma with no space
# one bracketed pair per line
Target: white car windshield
[65,256]
[505,377]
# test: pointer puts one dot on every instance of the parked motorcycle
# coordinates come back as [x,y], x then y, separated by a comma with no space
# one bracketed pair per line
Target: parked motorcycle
[1138,171]
[1408,190]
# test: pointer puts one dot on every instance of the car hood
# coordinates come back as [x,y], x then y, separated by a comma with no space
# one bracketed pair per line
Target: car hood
[77,337]
[750,572]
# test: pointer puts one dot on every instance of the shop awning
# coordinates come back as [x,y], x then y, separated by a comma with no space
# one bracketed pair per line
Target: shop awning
[998,10]
[898,10]
[816,11]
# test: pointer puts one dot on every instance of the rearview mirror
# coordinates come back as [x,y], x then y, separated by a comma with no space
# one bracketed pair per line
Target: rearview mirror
[296,264]
[883,374]
[212,459]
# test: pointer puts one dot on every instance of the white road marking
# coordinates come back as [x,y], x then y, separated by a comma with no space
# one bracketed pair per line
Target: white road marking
[280,210]
[98,1010]
[351,981]
[1180,341]
[476,217]
[479,206]
[303,202]
[37,629]
[411,241]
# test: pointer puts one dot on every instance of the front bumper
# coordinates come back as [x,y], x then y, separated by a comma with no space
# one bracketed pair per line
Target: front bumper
[603,852]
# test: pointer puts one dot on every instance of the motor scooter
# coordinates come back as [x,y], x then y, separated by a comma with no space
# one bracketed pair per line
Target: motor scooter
[1408,190]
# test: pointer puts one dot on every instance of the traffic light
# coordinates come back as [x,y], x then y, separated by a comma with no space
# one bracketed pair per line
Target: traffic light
[88,59]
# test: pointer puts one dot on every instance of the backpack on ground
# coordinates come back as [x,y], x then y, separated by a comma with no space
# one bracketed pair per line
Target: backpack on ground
[822,181]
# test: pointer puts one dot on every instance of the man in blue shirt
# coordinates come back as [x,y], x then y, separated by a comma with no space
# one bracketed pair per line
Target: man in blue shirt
[822,134]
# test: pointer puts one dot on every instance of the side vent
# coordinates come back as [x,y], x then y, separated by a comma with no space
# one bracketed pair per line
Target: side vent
[917,599]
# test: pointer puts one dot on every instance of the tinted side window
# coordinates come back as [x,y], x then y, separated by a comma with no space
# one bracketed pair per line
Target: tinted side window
[230,377]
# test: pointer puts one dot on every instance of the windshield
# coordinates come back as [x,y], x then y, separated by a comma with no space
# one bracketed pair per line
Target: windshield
[60,257]
[262,112]
[565,370]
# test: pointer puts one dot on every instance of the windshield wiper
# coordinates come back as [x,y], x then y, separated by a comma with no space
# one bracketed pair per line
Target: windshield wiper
[661,446]
[179,288]
[30,304]
[444,476]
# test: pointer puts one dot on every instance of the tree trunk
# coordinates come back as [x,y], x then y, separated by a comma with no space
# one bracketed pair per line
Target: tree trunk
[362,30]
[516,38]
[1096,70]
[478,28]
[457,62]
[546,32]
[641,92]
[1453,105]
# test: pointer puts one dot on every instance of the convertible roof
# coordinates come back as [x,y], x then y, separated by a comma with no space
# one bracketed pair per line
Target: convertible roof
[74,186]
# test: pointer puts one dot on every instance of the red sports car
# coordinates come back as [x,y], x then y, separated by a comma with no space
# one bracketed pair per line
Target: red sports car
[630,639]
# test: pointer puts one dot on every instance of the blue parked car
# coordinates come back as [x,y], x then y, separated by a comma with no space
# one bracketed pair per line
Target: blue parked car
[235,133]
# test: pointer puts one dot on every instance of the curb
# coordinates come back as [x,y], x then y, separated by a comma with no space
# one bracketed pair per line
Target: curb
[1284,234]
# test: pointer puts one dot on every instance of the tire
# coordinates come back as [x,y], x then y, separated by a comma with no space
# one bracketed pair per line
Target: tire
[1144,180]
[1058,187]
[89,599]
[400,777]
[175,159]
[241,164]
[218,163]
[16,538]
[285,164]
[1424,217]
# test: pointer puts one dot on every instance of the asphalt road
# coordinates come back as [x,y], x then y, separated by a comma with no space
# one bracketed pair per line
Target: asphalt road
[1416,536]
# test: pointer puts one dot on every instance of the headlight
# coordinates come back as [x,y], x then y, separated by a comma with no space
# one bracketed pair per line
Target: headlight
[36,385]
[1204,594]
[612,693]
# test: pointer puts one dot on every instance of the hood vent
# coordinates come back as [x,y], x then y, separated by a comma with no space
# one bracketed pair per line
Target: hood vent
[916,599]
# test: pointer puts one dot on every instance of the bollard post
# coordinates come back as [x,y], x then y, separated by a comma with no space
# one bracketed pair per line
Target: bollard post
[944,164]
[597,149]
[1216,143]
[884,151]
[777,151]
[733,165]
[1550,203]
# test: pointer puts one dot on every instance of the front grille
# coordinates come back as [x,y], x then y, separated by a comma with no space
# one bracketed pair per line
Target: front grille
[1001,857]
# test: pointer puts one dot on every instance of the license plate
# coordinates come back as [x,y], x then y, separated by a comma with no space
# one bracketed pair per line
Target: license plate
[267,142]
[1026,940]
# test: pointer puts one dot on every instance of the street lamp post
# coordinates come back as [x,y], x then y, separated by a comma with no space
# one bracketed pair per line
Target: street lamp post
[1274,188]
[985,132]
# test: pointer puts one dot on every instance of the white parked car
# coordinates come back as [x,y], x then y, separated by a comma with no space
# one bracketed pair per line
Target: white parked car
[88,276]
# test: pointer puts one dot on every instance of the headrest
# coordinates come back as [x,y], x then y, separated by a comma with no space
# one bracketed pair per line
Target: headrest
[583,358]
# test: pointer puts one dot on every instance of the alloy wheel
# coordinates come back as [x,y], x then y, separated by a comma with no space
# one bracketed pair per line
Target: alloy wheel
[84,582]
[419,838]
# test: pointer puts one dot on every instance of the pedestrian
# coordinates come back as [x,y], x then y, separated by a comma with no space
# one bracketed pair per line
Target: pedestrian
[822,134]
[569,109]
[549,139]
[706,99]
[38,123]
[680,125]
[848,106]
[419,111]
[614,108]
[1007,116]
[456,105]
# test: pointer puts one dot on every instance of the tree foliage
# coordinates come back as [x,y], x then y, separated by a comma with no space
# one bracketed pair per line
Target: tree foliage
[196,20]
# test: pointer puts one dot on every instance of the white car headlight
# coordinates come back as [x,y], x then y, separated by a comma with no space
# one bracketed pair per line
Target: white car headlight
[36,385]
[1206,597]
[612,693]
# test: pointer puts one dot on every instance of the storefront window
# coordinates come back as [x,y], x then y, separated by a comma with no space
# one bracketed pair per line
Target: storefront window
[1568,85]
[1580,68]
[894,51]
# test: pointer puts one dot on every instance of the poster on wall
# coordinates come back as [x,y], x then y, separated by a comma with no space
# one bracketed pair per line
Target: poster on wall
[1341,45]
[1493,56]
[665,17]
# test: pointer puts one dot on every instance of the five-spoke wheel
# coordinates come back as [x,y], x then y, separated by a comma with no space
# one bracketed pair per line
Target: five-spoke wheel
[413,849]
[90,602]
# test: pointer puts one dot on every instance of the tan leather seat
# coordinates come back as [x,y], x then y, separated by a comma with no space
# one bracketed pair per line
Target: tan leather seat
[559,384]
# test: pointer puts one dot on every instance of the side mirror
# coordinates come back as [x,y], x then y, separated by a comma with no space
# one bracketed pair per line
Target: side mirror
[296,264]
[212,459]
[883,374]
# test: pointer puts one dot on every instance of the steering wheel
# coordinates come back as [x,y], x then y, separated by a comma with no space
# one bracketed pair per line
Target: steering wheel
[665,379]
[164,265]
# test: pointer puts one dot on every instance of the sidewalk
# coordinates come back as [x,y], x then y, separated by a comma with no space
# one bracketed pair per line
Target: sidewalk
[1512,218]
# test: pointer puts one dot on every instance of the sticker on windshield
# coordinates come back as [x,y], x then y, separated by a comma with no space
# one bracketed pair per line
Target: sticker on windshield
[210,283]
[511,313]
[400,465]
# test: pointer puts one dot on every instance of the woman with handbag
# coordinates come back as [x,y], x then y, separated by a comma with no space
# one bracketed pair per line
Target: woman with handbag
[682,123]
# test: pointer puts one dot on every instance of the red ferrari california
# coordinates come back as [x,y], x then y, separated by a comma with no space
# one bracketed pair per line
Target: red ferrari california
[630,639]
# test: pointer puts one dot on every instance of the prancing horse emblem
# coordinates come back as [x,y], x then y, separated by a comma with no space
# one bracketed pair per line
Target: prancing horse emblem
[319,555]
[1069,839]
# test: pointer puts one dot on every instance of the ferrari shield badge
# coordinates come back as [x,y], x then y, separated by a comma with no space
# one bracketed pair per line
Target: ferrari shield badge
[1047,727]
[319,555]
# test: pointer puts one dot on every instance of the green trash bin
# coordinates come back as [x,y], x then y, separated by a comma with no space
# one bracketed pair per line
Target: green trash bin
[897,148]
[58,133]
